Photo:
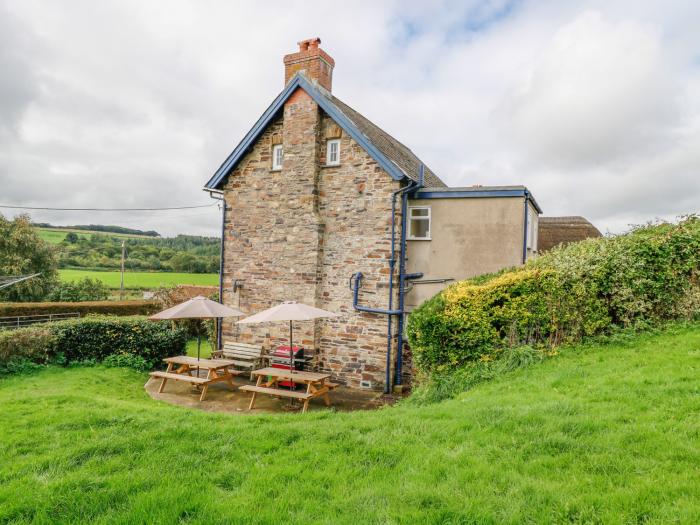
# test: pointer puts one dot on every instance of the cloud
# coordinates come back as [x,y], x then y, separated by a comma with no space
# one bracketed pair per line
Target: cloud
[594,105]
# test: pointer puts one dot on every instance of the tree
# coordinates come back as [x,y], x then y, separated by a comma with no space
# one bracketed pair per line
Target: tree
[85,289]
[23,252]
[71,237]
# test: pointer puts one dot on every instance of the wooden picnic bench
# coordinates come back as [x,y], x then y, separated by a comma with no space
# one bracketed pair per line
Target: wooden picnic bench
[316,385]
[217,370]
[242,355]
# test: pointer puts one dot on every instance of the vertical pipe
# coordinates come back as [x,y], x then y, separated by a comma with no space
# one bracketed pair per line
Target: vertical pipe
[402,277]
[392,263]
[219,327]
[527,198]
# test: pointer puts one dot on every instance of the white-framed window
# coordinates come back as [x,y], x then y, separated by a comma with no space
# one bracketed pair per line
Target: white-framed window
[333,152]
[277,156]
[419,223]
[532,226]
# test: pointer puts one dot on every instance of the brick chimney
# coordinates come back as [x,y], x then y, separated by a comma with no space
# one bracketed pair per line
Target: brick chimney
[316,64]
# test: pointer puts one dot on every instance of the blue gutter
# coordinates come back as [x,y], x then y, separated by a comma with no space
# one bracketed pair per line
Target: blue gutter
[476,194]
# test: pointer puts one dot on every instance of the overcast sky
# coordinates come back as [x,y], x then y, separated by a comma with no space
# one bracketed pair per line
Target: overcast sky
[594,105]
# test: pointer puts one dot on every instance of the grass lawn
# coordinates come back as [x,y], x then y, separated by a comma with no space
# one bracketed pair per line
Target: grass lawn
[205,351]
[142,280]
[606,435]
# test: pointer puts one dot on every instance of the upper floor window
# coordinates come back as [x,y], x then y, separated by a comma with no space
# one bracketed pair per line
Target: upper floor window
[419,223]
[333,152]
[277,156]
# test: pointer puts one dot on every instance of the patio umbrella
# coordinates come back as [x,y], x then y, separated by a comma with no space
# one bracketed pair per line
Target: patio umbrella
[288,311]
[197,308]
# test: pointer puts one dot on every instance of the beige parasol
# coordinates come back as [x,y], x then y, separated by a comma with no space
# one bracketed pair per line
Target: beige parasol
[197,308]
[288,311]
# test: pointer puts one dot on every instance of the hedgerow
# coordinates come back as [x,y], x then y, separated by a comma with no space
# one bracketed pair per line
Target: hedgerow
[134,341]
[648,275]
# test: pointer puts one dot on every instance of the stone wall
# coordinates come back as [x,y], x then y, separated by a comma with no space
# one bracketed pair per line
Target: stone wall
[300,233]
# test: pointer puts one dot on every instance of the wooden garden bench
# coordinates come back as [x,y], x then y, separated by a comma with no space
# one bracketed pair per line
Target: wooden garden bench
[242,355]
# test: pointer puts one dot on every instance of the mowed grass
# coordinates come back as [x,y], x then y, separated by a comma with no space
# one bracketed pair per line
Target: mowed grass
[607,434]
[204,351]
[57,235]
[142,280]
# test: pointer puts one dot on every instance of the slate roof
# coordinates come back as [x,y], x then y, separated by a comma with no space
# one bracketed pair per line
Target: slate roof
[395,158]
[392,148]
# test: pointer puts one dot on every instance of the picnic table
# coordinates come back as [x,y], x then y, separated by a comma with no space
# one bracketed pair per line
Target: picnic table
[217,370]
[317,385]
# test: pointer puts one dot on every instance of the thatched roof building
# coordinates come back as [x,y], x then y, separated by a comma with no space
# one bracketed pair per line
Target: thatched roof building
[553,231]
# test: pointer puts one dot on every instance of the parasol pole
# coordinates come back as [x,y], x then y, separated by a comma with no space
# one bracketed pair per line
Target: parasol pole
[291,351]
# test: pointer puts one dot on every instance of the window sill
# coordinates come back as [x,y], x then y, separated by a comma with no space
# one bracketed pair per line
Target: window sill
[331,165]
[275,169]
[419,238]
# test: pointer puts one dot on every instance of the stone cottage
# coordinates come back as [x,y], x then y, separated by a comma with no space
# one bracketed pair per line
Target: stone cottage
[324,207]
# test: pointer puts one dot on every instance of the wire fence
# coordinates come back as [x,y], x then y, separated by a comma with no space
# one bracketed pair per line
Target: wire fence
[20,321]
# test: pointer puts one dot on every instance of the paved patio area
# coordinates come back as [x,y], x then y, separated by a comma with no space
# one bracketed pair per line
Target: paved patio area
[222,398]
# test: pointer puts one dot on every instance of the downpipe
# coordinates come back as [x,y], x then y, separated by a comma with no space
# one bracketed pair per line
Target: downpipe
[219,321]
[356,280]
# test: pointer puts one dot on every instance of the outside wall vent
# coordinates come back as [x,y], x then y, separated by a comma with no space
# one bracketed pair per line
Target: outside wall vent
[365,384]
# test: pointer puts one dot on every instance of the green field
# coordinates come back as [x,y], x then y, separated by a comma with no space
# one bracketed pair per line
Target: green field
[599,434]
[56,235]
[142,280]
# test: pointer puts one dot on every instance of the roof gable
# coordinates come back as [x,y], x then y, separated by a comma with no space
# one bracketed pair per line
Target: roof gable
[395,158]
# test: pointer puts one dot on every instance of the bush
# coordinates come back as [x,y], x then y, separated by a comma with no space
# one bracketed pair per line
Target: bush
[98,337]
[83,308]
[35,343]
[649,275]
[85,289]
[135,341]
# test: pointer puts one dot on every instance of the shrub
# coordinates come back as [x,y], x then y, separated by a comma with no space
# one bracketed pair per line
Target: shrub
[649,275]
[98,337]
[136,342]
[83,308]
[35,343]
[85,289]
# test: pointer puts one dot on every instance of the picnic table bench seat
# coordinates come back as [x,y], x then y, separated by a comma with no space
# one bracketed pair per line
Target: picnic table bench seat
[180,377]
[276,392]
[242,355]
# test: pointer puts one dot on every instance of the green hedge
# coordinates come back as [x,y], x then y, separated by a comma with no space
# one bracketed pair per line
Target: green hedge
[84,308]
[92,339]
[648,275]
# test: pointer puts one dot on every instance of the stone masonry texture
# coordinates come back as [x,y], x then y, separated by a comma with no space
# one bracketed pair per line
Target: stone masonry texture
[299,233]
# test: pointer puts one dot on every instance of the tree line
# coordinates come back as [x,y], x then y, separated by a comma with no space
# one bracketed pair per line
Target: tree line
[184,253]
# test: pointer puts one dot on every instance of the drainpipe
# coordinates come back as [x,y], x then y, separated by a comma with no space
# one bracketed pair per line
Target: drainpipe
[356,283]
[220,197]
[527,201]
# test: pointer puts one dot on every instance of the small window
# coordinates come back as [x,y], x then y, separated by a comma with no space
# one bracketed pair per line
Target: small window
[333,152]
[277,156]
[419,223]
[532,229]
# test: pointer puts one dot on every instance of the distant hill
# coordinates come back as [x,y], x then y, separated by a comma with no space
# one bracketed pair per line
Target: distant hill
[100,228]
[99,247]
